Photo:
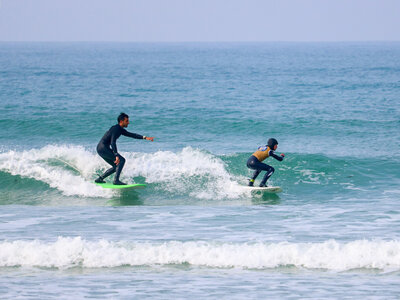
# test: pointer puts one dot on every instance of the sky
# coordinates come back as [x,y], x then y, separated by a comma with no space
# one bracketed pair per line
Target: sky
[199,20]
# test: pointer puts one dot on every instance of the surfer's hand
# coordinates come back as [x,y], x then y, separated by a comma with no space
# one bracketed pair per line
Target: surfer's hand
[149,138]
[116,160]
[283,155]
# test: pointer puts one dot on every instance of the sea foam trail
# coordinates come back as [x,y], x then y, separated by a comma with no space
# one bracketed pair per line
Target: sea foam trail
[331,255]
[190,171]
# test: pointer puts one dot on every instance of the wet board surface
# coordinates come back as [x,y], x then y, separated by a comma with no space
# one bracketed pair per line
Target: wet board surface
[121,187]
[267,189]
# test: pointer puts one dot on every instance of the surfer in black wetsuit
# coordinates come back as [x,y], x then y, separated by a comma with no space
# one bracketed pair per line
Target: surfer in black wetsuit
[107,148]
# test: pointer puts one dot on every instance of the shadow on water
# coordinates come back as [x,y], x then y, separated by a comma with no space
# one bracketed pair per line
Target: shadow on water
[126,198]
[266,199]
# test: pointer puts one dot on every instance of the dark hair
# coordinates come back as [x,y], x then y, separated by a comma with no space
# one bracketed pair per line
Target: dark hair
[122,116]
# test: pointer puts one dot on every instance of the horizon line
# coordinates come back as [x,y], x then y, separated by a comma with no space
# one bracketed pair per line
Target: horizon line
[192,42]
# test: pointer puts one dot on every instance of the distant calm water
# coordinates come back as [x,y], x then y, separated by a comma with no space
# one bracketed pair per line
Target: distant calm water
[334,231]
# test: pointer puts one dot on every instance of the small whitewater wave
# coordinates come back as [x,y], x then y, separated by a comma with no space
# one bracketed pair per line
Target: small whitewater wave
[332,255]
[197,174]
[72,169]
[192,172]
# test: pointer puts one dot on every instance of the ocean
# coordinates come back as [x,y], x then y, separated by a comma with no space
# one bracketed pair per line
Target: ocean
[195,231]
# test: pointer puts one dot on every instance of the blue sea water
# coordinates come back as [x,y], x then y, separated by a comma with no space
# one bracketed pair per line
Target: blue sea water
[195,231]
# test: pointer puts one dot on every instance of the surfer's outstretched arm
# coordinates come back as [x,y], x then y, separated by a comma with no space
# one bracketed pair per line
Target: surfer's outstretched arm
[277,157]
[136,136]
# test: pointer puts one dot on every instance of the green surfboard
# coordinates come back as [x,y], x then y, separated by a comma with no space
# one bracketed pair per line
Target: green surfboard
[122,187]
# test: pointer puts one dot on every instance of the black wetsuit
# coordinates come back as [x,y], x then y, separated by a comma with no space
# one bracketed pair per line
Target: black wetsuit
[107,149]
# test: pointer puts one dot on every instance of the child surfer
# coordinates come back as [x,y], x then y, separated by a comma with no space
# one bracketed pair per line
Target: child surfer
[255,161]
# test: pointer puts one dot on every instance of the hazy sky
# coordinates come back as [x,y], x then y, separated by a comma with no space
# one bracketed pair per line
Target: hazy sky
[199,20]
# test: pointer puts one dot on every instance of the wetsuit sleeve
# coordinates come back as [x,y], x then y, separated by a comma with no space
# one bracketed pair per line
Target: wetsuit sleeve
[277,157]
[132,135]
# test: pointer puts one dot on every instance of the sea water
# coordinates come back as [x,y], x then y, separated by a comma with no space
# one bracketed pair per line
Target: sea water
[334,231]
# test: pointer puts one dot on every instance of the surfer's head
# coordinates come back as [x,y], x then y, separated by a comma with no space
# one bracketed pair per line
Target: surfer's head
[272,144]
[123,120]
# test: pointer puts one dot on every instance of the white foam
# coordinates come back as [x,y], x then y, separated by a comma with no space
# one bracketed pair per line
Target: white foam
[331,255]
[200,174]
[189,171]
[35,164]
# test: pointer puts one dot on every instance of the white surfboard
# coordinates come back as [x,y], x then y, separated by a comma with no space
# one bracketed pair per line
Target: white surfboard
[267,189]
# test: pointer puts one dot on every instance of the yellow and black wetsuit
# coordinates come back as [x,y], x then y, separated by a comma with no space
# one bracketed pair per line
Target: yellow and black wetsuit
[255,163]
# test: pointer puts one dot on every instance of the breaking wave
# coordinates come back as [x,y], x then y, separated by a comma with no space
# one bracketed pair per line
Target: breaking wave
[332,255]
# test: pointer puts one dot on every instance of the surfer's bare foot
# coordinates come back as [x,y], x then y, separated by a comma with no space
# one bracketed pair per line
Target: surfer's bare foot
[99,180]
[119,183]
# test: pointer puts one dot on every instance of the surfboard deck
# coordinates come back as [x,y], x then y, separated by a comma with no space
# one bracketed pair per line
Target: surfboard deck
[121,187]
[267,189]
